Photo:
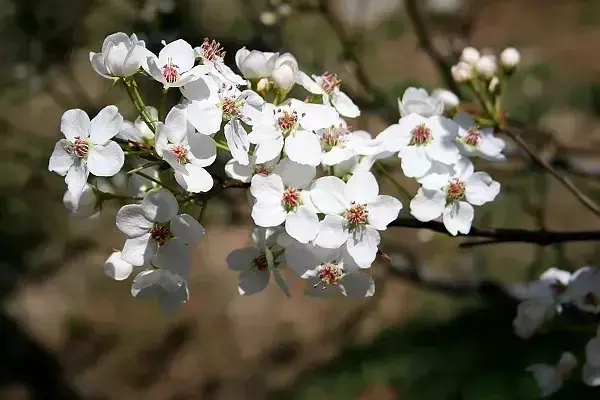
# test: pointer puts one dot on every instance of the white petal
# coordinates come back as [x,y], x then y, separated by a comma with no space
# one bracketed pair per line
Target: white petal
[241,259]
[267,213]
[302,225]
[303,147]
[344,105]
[195,180]
[132,221]
[97,61]
[175,257]
[170,301]
[269,149]
[179,53]
[84,205]
[229,75]
[281,282]
[294,174]
[187,229]
[333,232]
[139,250]
[443,150]
[203,88]
[317,116]
[105,160]
[315,288]
[481,188]
[383,211]
[458,217]
[358,285]
[267,187]
[251,282]
[77,177]
[427,205]
[115,268]
[437,177]
[362,188]
[203,150]
[176,124]
[105,125]
[235,170]
[415,162]
[362,245]
[205,116]
[300,259]
[237,140]
[308,83]
[146,284]
[75,123]
[159,205]
[61,160]
[328,195]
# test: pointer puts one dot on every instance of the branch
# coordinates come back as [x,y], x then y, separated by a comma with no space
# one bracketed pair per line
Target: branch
[504,235]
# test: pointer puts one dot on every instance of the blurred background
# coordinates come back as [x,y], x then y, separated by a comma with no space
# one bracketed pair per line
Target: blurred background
[68,332]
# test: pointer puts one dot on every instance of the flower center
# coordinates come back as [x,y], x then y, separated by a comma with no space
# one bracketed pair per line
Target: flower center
[287,121]
[330,82]
[259,263]
[262,169]
[170,72]
[80,147]
[357,215]
[212,50]
[330,274]
[231,107]
[558,287]
[420,135]
[334,136]
[591,300]
[472,137]
[455,190]
[181,153]
[291,199]
[160,234]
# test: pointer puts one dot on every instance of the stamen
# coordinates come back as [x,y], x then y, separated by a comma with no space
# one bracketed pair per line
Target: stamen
[357,215]
[212,50]
[472,137]
[160,234]
[259,263]
[420,135]
[181,153]
[330,82]
[170,72]
[291,199]
[330,274]
[287,121]
[80,147]
[455,190]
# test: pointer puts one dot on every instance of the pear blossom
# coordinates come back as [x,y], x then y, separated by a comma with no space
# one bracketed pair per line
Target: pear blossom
[591,368]
[337,144]
[281,198]
[233,107]
[328,86]
[487,66]
[157,233]
[285,72]
[420,142]
[291,127]
[584,289]
[451,192]
[550,378]
[121,56]
[418,101]
[213,55]
[325,269]
[259,262]
[541,303]
[462,72]
[87,147]
[475,141]
[470,55]
[255,64]
[186,151]
[85,205]
[510,58]
[138,131]
[244,173]
[168,285]
[174,66]
[354,212]
[115,268]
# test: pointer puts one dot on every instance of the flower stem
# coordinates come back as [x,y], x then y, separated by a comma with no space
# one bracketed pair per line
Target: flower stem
[138,169]
[403,192]
[134,95]
[161,104]
[202,210]
[150,178]
[222,146]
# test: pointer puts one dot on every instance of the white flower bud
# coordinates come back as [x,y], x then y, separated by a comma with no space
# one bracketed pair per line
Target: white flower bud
[470,55]
[285,73]
[510,58]
[450,100]
[462,72]
[487,66]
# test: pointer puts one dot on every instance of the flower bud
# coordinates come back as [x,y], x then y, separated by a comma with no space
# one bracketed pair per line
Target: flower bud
[462,72]
[510,58]
[255,64]
[450,100]
[487,66]
[285,72]
[470,55]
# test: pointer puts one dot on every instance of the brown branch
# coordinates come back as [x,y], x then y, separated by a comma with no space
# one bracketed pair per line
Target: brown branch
[504,235]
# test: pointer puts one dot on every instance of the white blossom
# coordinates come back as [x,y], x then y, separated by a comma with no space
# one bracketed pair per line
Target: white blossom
[326,268]
[451,192]
[418,101]
[285,72]
[121,56]
[255,64]
[470,55]
[291,127]
[462,72]
[328,86]
[87,147]
[157,233]
[174,66]
[475,141]
[186,151]
[550,378]
[584,289]
[168,284]
[354,212]
[510,58]
[487,66]
[234,169]
[213,55]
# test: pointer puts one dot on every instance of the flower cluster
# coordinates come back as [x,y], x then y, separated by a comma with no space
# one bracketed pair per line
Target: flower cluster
[543,301]
[315,202]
